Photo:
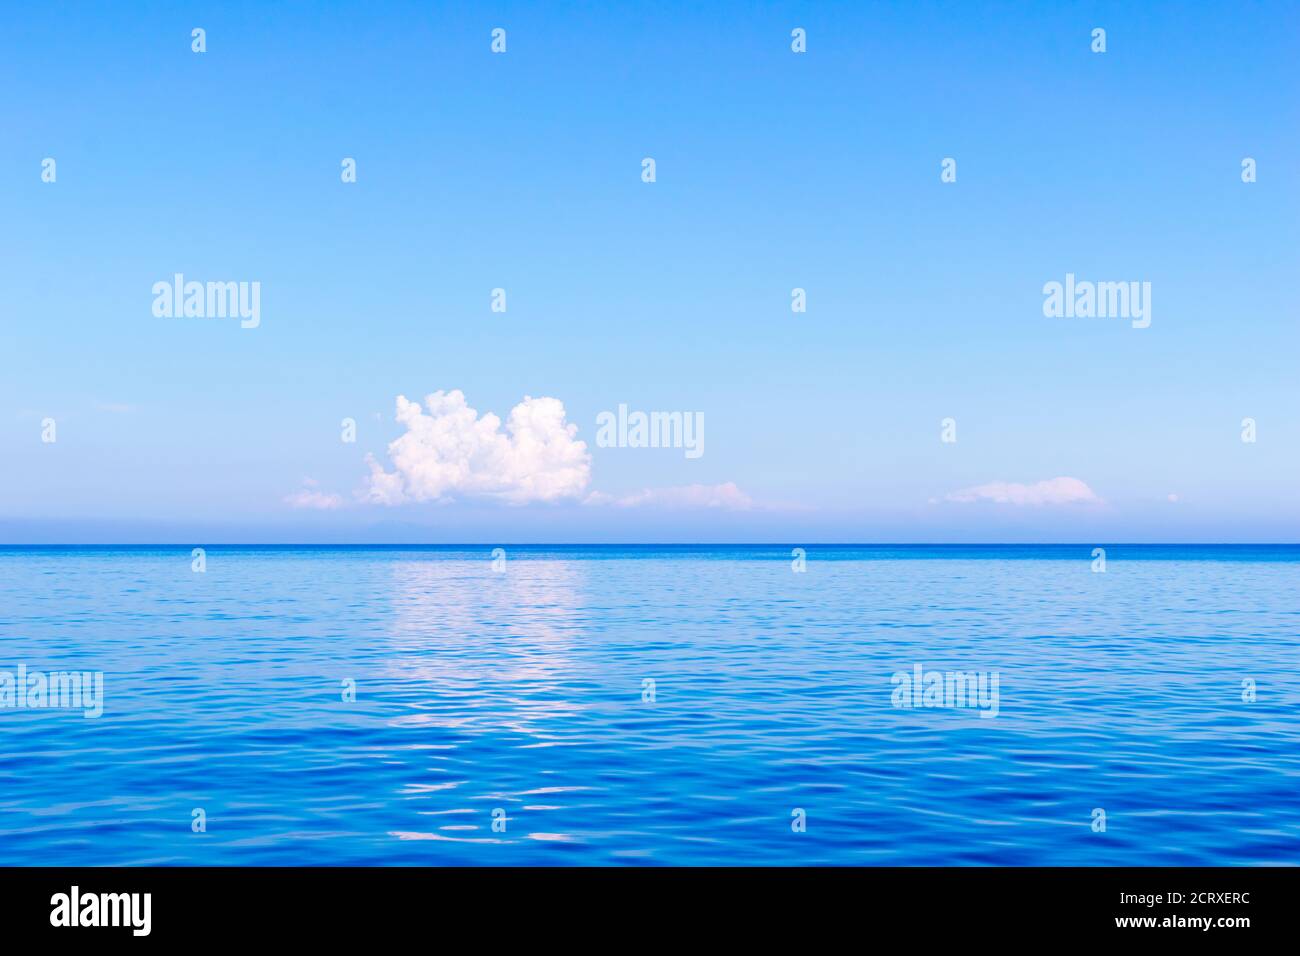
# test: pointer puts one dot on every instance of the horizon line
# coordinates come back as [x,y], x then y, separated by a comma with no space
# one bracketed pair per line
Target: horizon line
[659,544]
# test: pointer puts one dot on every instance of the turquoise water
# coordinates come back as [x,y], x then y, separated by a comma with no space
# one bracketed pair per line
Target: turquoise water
[524,691]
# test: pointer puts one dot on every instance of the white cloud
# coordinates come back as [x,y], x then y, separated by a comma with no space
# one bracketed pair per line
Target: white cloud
[1054,491]
[726,496]
[309,497]
[317,500]
[449,451]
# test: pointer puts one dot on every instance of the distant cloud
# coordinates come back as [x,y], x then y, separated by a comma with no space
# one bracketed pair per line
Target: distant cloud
[317,500]
[1054,491]
[725,496]
[313,499]
[448,451]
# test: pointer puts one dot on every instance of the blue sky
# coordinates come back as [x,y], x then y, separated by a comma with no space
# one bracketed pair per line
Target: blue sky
[775,170]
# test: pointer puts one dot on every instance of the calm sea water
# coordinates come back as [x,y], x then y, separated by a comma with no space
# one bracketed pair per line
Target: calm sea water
[524,692]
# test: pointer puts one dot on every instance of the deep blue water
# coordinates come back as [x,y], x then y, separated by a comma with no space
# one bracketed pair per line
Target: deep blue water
[522,690]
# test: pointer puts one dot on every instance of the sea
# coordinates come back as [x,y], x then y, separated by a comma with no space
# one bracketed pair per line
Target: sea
[783,704]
